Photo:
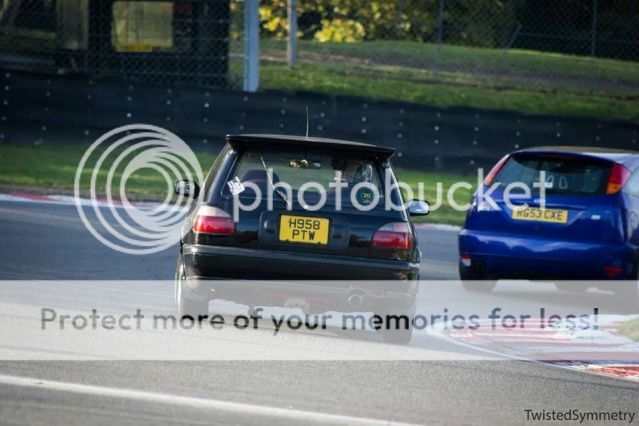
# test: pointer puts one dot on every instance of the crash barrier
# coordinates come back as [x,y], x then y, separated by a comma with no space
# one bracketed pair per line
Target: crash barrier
[40,108]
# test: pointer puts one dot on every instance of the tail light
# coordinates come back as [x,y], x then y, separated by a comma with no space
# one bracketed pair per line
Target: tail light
[396,235]
[490,177]
[612,271]
[211,220]
[617,179]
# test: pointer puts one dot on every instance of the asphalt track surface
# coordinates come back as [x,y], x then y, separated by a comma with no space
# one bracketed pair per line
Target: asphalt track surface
[49,242]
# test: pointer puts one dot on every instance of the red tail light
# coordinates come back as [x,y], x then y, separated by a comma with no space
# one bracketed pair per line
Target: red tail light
[211,220]
[618,177]
[490,177]
[612,271]
[395,235]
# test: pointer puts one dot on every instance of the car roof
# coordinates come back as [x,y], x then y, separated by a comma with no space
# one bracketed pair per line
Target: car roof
[261,140]
[611,154]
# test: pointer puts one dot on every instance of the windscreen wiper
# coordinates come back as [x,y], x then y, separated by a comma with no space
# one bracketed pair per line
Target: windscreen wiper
[269,177]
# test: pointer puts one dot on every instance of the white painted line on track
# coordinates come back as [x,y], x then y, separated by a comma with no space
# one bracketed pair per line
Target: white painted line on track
[67,200]
[438,227]
[192,402]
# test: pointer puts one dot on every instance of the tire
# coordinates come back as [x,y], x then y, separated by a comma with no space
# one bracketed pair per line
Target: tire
[627,292]
[185,306]
[475,281]
[485,286]
[192,308]
[400,336]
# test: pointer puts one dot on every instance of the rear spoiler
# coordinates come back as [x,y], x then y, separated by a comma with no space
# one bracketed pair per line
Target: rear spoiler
[601,154]
[241,142]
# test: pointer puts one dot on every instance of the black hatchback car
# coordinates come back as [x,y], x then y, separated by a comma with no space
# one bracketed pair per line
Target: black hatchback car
[295,209]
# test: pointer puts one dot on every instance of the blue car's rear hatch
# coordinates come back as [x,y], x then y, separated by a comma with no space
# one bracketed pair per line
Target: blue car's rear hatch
[556,196]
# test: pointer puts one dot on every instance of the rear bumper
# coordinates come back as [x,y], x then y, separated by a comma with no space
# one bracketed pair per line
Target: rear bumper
[380,283]
[497,255]
[238,263]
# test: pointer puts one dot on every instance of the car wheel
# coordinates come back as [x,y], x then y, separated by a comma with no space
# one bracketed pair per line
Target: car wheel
[192,308]
[399,336]
[186,306]
[485,286]
[475,281]
[626,293]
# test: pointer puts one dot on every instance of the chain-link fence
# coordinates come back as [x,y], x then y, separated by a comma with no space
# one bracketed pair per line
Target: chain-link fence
[474,48]
[175,41]
[502,54]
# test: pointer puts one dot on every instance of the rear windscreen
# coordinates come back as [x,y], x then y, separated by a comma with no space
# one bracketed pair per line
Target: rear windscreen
[562,174]
[311,172]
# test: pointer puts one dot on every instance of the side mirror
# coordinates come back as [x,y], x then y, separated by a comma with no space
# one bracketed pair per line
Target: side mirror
[418,208]
[187,188]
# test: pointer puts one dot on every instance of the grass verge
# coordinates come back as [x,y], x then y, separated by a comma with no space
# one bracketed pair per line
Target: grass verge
[521,80]
[516,65]
[630,329]
[415,86]
[52,168]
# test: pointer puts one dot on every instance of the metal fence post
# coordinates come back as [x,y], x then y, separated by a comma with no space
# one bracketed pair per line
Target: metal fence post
[291,48]
[593,33]
[399,19]
[593,44]
[440,29]
[251,46]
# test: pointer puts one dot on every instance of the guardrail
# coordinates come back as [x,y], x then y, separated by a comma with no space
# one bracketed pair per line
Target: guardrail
[74,109]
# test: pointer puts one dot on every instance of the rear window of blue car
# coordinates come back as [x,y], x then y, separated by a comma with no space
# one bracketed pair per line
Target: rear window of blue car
[564,174]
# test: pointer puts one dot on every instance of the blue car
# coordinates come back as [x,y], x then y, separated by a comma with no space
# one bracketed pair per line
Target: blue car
[587,229]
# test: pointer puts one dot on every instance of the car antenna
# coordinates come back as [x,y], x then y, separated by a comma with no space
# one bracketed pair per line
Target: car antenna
[306,121]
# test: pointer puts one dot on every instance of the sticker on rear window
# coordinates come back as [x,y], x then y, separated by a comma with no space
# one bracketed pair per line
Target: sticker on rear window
[365,196]
[236,186]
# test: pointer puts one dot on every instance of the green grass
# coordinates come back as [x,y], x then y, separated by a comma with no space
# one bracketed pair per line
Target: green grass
[407,86]
[630,329]
[442,211]
[473,60]
[51,168]
[524,81]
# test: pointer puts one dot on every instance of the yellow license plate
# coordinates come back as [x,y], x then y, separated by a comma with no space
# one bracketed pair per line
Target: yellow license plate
[540,215]
[302,229]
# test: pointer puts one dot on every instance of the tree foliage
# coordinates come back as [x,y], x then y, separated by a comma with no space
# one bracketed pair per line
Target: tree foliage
[352,20]
[553,25]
